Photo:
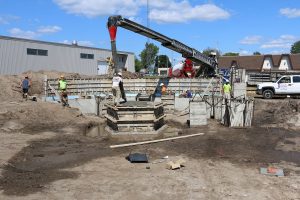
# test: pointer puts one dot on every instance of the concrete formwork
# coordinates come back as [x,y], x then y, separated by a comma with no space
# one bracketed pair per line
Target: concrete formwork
[239,111]
[198,114]
[135,117]
[239,90]
[103,86]
[168,102]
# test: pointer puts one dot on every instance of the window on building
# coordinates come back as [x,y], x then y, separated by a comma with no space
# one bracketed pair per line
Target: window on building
[86,56]
[90,56]
[296,79]
[37,52]
[31,51]
[42,52]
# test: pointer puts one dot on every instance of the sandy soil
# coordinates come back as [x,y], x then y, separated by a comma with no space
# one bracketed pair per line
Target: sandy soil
[49,152]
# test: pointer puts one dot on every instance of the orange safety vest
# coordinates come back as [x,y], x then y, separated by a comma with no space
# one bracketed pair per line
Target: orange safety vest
[163,89]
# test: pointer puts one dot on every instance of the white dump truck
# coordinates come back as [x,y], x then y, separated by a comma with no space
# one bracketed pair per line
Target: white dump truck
[288,85]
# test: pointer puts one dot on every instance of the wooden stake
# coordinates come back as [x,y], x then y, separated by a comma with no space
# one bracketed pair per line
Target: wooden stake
[155,141]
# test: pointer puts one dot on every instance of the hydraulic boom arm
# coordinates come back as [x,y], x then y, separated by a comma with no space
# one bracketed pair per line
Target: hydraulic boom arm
[208,64]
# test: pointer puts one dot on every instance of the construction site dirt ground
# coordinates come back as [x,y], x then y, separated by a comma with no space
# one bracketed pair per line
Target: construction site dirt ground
[51,152]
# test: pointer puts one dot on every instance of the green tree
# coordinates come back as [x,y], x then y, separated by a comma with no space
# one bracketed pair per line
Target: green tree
[295,47]
[148,55]
[256,53]
[162,61]
[208,51]
[231,54]
[137,64]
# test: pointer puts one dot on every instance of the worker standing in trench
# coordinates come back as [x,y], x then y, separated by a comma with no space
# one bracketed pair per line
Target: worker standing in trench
[62,87]
[117,83]
[227,96]
[25,84]
[227,91]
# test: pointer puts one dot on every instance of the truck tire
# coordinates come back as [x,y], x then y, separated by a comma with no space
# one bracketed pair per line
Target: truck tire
[268,94]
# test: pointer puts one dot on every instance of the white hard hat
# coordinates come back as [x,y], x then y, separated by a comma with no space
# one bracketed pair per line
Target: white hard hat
[161,84]
[120,73]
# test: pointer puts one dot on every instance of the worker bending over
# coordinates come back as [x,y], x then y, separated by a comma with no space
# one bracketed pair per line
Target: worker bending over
[62,87]
[117,81]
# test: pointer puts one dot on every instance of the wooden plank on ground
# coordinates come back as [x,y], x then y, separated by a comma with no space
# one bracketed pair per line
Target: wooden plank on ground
[155,141]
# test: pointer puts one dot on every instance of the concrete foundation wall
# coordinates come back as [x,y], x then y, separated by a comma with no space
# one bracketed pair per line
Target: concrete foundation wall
[181,104]
[198,114]
[86,106]
[239,90]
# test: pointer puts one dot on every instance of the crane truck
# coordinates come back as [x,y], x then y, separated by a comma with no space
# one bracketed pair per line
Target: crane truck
[208,64]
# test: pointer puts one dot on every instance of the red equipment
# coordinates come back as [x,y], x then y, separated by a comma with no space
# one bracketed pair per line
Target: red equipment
[187,70]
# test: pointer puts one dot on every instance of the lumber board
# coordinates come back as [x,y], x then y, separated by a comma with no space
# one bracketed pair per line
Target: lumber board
[155,141]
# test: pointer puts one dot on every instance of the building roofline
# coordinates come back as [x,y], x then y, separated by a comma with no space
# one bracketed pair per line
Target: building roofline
[58,44]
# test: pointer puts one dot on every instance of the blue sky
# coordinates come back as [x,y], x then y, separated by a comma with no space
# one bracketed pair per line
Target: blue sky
[243,26]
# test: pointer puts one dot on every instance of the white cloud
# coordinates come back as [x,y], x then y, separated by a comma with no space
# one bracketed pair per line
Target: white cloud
[183,12]
[6,19]
[49,29]
[244,53]
[290,12]
[284,41]
[93,8]
[278,52]
[251,40]
[16,32]
[3,20]
[160,11]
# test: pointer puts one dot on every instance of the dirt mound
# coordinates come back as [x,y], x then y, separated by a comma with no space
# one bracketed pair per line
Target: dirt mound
[31,117]
[11,89]
[129,75]
[125,75]
[10,86]
[18,114]
[277,113]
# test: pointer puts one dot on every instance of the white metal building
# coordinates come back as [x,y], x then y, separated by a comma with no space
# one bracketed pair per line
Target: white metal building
[19,55]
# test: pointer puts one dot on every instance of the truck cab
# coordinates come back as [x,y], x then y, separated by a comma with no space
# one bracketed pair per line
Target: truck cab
[285,85]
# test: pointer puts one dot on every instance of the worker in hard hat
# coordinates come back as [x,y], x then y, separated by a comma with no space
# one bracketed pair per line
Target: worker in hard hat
[62,87]
[25,85]
[227,91]
[163,89]
[117,81]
